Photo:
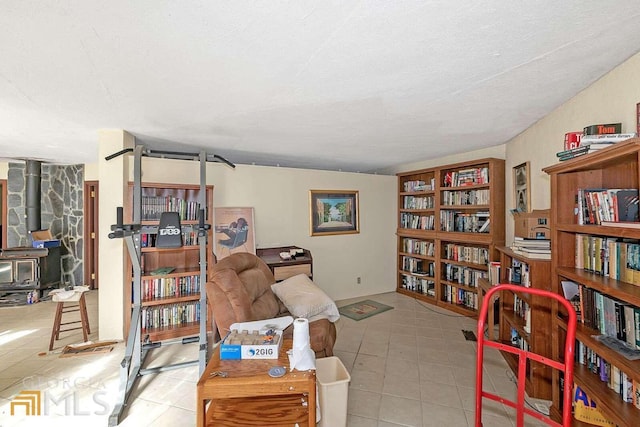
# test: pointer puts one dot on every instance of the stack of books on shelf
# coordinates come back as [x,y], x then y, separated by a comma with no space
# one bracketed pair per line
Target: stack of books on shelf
[532,248]
[593,138]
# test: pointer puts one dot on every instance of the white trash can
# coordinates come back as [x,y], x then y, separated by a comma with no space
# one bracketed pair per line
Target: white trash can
[333,391]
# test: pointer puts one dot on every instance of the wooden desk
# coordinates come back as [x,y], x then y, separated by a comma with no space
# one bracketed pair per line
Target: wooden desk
[248,396]
[283,269]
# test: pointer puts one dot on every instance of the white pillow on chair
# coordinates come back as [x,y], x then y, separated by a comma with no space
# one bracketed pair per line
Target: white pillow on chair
[303,298]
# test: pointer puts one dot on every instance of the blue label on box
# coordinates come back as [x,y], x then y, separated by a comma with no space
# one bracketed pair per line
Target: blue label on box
[46,243]
[230,351]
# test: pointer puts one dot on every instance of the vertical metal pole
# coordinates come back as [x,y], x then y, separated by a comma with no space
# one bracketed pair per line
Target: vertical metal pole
[133,358]
[202,240]
[137,254]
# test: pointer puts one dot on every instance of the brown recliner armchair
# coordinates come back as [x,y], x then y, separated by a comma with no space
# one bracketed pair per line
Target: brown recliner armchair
[239,290]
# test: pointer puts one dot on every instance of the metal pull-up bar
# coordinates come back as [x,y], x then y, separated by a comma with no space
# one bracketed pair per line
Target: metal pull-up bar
[177,155]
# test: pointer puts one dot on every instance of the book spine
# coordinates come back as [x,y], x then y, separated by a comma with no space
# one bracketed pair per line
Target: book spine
[601,129]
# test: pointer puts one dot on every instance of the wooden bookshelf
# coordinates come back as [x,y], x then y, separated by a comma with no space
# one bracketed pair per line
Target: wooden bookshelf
[610,168]
[528,316]
[443,249]
[173,310]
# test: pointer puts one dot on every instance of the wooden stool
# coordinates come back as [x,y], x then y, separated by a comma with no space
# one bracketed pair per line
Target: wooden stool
[62,297]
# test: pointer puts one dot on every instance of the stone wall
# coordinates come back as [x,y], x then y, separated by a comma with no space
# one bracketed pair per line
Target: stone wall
[62,213]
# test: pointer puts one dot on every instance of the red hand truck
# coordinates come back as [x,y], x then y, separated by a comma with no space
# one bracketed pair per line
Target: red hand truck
[523,356]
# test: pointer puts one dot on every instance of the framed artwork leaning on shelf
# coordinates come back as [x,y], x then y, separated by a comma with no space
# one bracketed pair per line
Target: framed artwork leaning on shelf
[333,212]
[521,187]
[234,231]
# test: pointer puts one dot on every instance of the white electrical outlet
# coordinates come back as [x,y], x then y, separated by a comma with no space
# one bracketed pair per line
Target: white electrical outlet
[358,280]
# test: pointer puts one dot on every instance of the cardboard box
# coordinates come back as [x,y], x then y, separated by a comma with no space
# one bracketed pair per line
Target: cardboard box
[253,345]
[44,239]
[532,225]
[250,345]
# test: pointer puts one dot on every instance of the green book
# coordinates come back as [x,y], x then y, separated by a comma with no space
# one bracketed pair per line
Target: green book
[162,270]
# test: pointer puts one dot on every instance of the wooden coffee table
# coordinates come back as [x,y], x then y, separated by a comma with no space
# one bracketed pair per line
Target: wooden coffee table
[248,396]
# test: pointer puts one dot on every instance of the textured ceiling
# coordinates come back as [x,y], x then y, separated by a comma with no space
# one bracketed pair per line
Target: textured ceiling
[338,85]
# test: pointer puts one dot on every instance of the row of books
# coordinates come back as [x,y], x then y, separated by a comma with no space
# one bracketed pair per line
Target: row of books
[454,295]
[154,206]
[170,315]
[419,185]
[189,238]
[464,177]
[462,253]
[469,197]
[417,222]
[419,285]
[597,206]
[610,317]
[418,266]
[463,275]
[518,341]
[165,287]
[477,222]
[609,257]
[419,247]
[522,309]
[518,273]
[412,202]
[616,379]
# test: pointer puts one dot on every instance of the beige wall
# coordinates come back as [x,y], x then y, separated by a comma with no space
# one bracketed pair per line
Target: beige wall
[280,197]
[497,151]
[611,99]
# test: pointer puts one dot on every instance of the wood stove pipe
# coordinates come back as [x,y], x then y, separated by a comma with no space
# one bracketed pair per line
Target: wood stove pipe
[33,177]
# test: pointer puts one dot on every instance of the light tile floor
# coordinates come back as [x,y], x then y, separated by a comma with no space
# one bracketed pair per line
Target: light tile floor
[409,366]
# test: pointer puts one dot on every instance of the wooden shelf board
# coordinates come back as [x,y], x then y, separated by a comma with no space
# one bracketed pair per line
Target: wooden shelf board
[516,322]
[178,272]
[150,249]
[461,309]
[615,288]
[585,335]
[407,210]
[465,207]
[423,297]
[419,276]
[418,193]
[427,257]
[159,334]
[459,285]
[482,267]
[170,300]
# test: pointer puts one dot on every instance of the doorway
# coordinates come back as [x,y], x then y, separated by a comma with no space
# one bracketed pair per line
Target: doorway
[91,234]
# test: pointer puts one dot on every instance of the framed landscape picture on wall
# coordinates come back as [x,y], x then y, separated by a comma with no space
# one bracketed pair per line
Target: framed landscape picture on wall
[234,231]
[333,212]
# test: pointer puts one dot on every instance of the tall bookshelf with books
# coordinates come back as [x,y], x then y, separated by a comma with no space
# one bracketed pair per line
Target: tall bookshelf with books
[450,222]
[524,319]
[600,262]
[170,279]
